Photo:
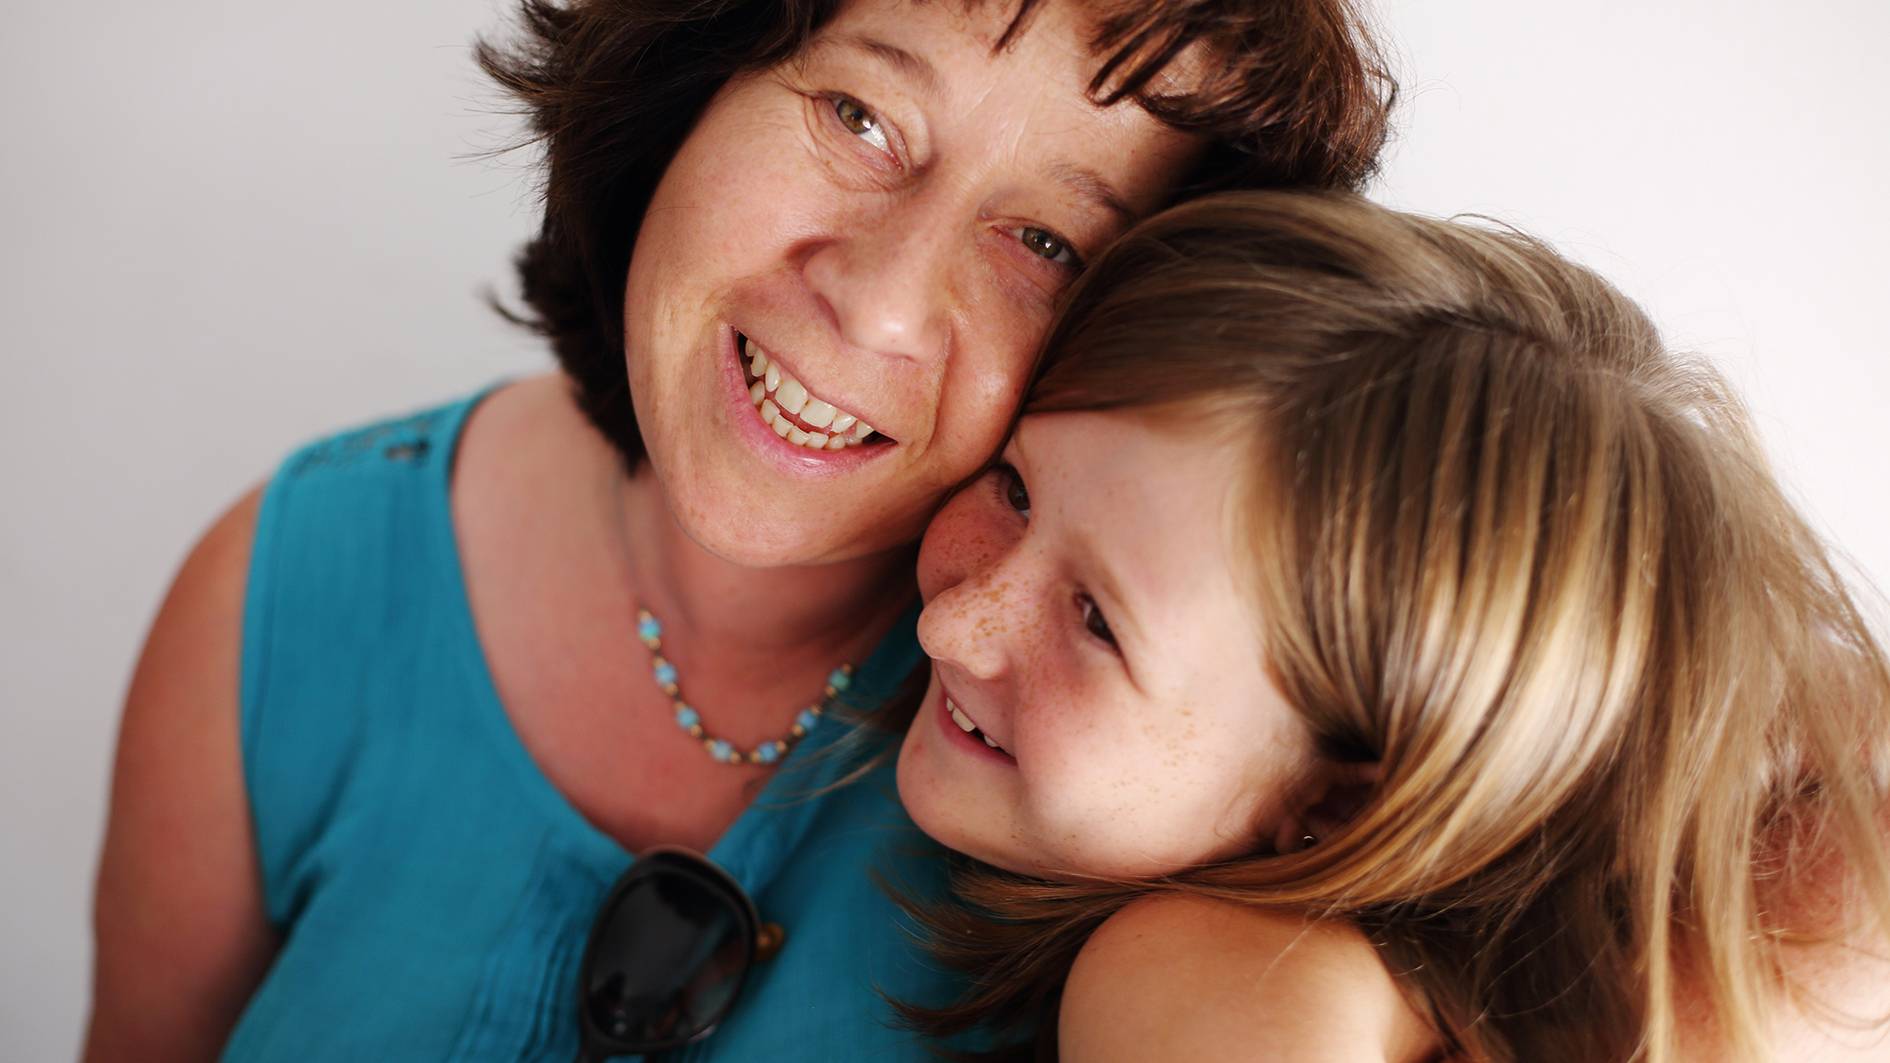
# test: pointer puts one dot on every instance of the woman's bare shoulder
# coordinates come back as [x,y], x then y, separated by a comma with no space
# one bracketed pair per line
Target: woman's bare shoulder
[526,422]
[526,450]
[1177,977]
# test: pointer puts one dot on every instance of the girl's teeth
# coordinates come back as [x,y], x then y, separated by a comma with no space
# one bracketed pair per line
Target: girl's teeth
[777,395]
[969,726]
[964,722]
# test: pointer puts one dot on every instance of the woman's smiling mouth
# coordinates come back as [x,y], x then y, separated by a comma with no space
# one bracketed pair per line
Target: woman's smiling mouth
[794,413]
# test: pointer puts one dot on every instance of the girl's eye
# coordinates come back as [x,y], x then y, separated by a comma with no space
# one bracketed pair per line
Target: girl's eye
[1012,486]
[1047,245]
[1093,620]
[860,122]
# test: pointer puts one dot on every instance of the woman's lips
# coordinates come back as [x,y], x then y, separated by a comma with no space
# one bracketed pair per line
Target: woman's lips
[787,457]
[792,411]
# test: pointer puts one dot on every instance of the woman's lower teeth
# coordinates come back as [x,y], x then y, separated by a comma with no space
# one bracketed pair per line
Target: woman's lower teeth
[785,406]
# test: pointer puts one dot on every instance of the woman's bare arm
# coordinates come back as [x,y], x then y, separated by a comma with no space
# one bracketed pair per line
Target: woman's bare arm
[1180,978]
[178,916]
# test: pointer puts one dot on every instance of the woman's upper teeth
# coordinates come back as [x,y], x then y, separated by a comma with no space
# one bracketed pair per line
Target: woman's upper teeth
[794,413]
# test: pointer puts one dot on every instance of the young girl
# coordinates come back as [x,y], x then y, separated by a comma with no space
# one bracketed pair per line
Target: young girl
[1374,645]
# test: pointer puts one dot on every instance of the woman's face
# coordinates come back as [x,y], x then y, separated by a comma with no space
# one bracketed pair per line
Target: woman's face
[889,216]
[1085,615]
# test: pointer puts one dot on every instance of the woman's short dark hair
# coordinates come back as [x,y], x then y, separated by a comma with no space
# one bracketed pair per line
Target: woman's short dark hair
[612,87]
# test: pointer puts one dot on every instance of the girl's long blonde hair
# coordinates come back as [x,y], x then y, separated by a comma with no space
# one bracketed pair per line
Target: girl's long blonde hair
[1535,565]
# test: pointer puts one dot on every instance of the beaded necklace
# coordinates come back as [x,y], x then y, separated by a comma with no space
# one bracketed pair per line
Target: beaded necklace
[650,630]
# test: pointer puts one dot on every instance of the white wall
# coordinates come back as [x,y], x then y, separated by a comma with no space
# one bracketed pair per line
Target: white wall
[225,227]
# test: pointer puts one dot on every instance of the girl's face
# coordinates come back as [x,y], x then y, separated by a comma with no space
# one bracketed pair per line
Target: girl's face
[890,216]
[1084,613]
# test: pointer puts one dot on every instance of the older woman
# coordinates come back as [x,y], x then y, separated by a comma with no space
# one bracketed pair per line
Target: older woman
[409,710]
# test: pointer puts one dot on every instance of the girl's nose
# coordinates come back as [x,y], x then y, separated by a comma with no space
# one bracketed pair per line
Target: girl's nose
[969,626]
[973,573]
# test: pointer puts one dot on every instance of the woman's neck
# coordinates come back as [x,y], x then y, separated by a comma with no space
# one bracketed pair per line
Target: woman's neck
[827,612]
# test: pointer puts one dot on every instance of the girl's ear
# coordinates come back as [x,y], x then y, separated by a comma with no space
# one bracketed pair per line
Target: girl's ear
[1335,791]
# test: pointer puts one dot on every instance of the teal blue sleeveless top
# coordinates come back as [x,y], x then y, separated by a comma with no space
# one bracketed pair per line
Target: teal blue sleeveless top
[432,889]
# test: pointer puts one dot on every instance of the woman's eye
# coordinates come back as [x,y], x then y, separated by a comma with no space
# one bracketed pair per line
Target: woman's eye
[860,122]
[1015,494]
[1047,245]
[1093,620]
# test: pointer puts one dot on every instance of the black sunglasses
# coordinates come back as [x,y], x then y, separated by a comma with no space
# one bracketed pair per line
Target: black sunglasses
[667,956]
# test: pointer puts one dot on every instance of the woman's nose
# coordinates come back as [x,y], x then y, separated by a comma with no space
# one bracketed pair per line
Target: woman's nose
[886,281]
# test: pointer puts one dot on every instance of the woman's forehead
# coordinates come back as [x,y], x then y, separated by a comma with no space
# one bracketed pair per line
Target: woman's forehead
[1070,28]
[987,25]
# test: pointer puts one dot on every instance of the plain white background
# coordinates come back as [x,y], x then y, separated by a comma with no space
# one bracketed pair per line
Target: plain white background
[226,227]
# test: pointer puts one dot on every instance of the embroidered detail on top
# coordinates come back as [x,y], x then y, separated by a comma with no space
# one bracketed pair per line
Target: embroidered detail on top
[406,439]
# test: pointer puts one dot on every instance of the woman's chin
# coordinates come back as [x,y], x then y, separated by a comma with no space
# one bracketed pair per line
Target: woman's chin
[752,534]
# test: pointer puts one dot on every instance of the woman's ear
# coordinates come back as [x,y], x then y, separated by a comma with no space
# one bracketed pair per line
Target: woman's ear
[1333,793]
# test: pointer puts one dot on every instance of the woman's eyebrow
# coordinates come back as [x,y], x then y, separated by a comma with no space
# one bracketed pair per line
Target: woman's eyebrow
[910,64]
[1089,185]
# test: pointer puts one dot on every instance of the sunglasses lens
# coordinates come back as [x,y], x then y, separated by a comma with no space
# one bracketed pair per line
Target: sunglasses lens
[666,958]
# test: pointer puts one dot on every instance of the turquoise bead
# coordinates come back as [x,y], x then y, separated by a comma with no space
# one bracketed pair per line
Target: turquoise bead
[687,717]
[807,719]
[768,753]
[665,674]
[721,750]
[839,679]
[648,628]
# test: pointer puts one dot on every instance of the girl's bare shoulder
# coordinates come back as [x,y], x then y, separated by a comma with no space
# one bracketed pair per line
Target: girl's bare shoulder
[1835,955]
[1178,977]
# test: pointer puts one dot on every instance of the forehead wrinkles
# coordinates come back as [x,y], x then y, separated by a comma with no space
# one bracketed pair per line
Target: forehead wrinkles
[992,30]
[886,30]
[1182,74]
